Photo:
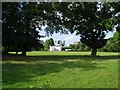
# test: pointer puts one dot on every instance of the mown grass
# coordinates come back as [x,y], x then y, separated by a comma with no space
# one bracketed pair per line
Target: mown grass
[60,70]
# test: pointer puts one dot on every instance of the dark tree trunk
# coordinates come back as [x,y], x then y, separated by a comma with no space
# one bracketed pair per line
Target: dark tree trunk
[94,52]
[16,52]
[17,49]
[24,50]
[24,53]
[6,50]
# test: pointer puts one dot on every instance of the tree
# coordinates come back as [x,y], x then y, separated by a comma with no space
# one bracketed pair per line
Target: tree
[20,21]
[116,18]
[76,46]
[51,41]
[83,47]
[9,12]
[79,46]
[90,20]
[59,42]
[71,46]
[48,43]
[112,44]
[62,43]
[19,34]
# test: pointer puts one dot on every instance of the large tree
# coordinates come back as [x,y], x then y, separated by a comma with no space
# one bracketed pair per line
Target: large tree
[20,20]
[19,30]
[92,21]
[9,12]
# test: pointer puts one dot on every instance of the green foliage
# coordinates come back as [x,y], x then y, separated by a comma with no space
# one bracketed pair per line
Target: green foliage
[79,46]
[48,43]
[19,27]
[71,46]
[63,44]
[20,20]
[84,47]
[60,42]
[90,20]
[76,46]
[113,44]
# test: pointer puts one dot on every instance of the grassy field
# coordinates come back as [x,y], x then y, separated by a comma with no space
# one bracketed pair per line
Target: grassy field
[60,70]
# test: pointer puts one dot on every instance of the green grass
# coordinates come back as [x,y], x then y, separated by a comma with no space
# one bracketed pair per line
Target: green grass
[60,70]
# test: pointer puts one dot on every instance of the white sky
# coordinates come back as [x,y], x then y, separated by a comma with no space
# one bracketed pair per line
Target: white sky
[69,38]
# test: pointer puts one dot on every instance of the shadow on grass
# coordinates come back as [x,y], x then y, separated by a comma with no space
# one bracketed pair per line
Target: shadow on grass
[14,73]
[35,66]
[59,57]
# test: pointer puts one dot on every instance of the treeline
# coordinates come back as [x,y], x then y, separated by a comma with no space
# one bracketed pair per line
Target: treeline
[79,46]
[111,46]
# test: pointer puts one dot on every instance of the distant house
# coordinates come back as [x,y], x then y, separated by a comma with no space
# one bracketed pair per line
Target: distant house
[55,48]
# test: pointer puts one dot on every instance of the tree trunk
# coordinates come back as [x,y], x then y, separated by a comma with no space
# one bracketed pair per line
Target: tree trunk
[24,53]
[16,52]
[94,52]
[6,50]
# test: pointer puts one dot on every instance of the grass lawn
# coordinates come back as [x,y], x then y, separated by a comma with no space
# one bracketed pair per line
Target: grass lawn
[60,70]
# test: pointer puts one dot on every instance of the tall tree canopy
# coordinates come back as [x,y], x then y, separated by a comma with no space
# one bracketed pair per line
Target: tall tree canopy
[19,33]
[20,21]
[92,21]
